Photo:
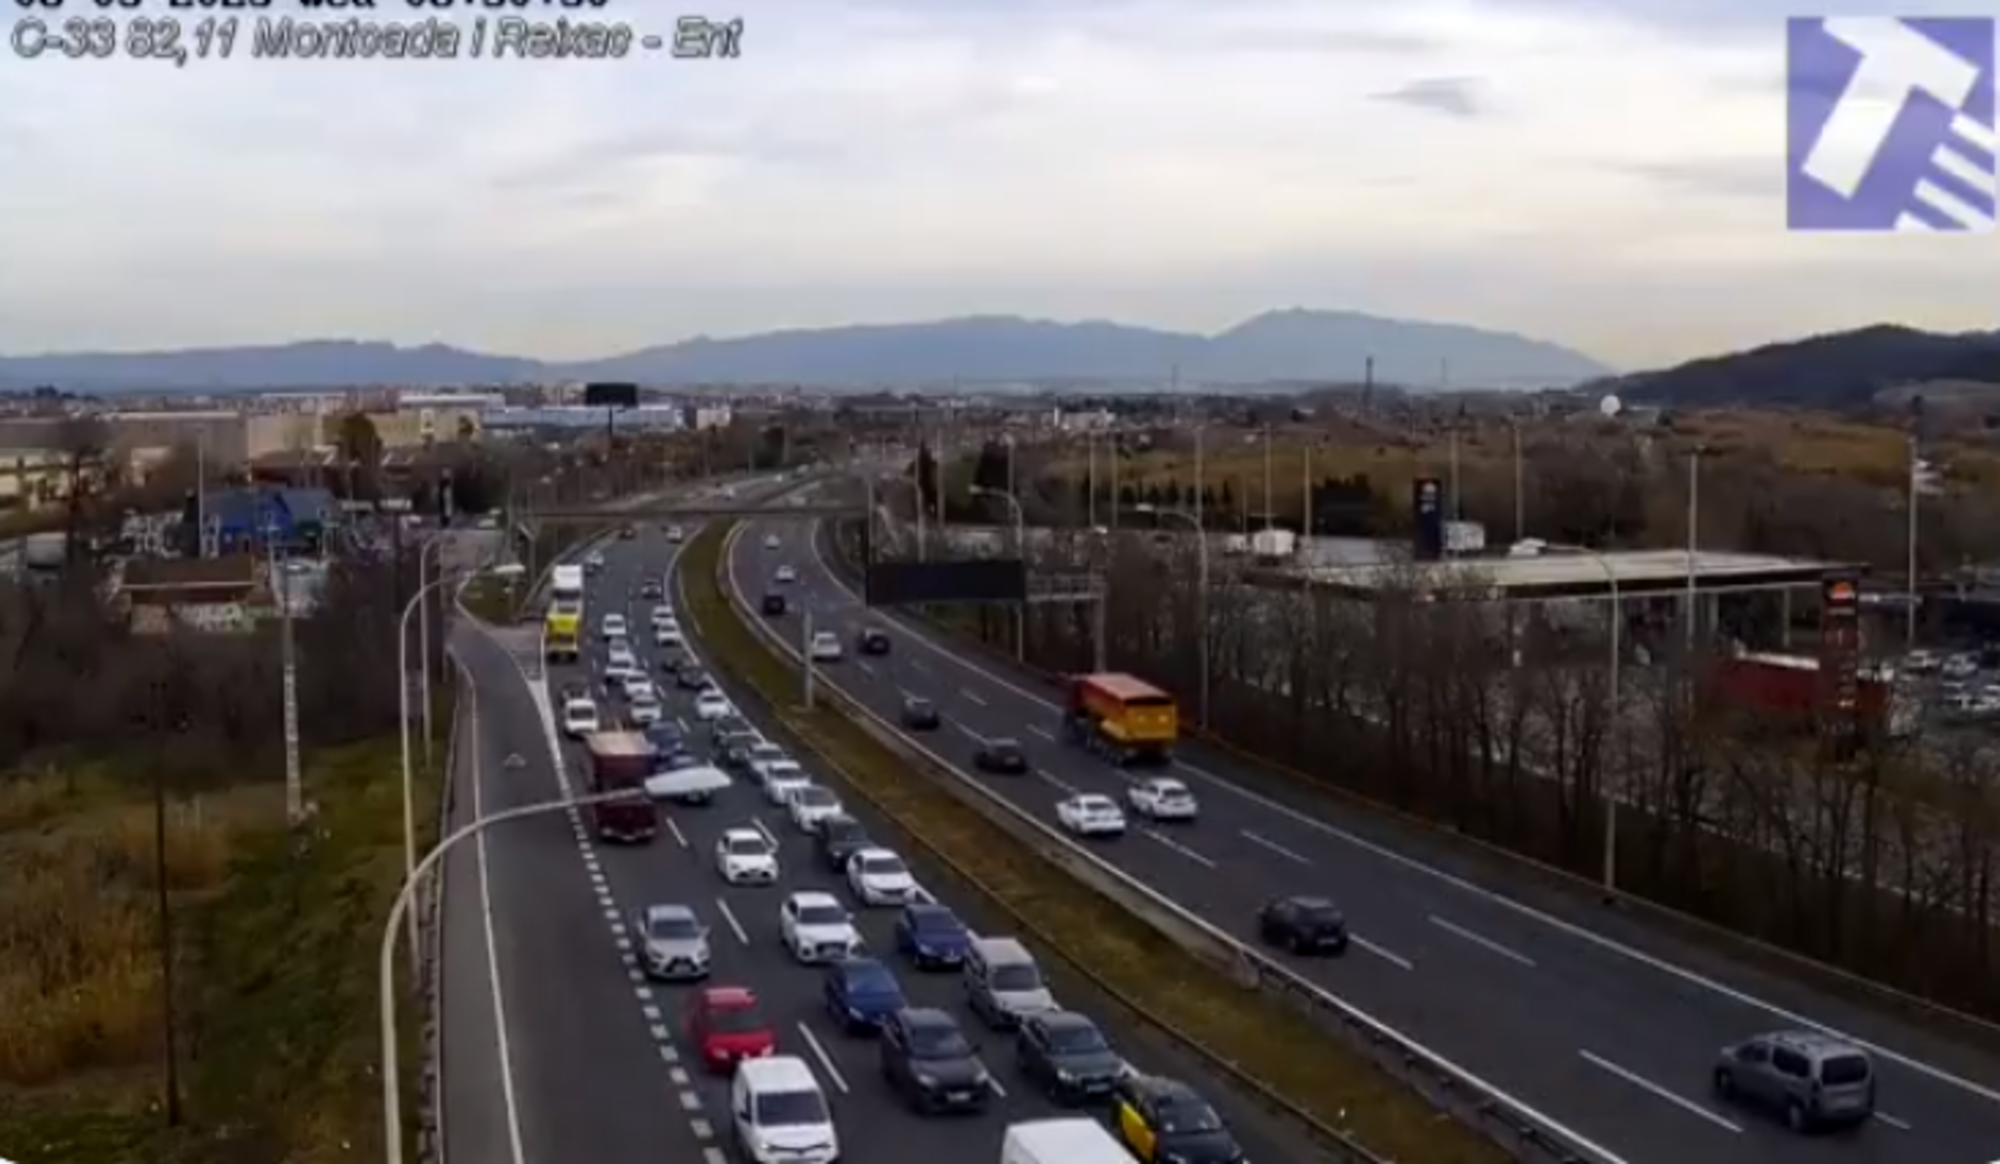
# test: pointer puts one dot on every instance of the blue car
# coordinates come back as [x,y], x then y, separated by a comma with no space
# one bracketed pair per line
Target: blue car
[666,738]
[931,936]
[861,993]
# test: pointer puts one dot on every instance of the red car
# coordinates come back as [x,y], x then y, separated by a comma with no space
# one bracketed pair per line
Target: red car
[726,1026]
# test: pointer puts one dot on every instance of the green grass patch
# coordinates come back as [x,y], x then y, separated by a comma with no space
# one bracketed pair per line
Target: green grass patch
[276,967]
[1187,997]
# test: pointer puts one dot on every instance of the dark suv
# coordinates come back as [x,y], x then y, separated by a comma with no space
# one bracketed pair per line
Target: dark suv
[920,714]
[837,839]
[1067,1057]
[1303,925]
[1001,756]
[774,603]
[928,1058]
[872,641]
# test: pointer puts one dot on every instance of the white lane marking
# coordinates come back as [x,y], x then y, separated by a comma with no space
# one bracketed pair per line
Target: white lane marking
[825,1060]
[993,1085]
[974,736]
[865,668]
[1270,845]
[690,1102]
[1482,941]
[1044,733]
[971,697]
[1882,1117]
[702,1129]
[729,915]
[1056,780]
[509,1107]
[1658,1092]
[1383,952]
[757,822]
[674,828]
[659,1032]
[714,1155]
[906,693]
[1176,846]
[1492,897]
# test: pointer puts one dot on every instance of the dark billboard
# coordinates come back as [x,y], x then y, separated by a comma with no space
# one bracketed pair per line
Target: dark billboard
[1427,506]
[611,395]
[916,583]
[1840,658]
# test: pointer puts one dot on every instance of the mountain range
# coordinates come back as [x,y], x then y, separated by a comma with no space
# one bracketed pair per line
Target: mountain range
[1841,371]
[1291,345]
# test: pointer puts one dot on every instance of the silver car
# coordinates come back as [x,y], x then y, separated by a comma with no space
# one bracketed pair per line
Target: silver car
[1810,1079]
[673,944]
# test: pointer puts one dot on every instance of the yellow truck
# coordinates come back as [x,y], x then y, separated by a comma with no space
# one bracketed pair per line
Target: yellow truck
[561,629]
[1125,719]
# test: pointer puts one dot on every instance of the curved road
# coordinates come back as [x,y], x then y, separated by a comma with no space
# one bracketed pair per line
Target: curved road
[1604,1027]
[600,1071]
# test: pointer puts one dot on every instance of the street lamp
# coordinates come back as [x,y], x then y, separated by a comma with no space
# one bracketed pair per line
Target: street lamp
[424,629]
[403,702]
[1201,583]
[916,489]
[392,1106]
[1020,549]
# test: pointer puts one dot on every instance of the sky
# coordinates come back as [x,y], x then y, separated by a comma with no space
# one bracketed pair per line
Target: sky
[1608,175]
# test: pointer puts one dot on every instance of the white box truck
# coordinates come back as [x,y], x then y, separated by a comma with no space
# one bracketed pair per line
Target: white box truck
[1061,1141]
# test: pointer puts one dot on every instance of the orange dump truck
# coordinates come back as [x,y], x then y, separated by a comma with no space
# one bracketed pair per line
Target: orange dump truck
[1125,719]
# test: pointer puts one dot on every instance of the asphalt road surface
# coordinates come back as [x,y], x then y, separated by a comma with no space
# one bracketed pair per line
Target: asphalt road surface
[1604,1027]
[599,1068]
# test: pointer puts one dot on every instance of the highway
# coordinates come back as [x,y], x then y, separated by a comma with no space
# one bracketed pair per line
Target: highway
[1604,1027]
[600,1068]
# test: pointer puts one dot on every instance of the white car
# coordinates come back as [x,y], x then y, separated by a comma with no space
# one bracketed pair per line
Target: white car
[663,614]
[812,804]
[613,627]
[1163,798]
[645,710]
[779,1113]
[745,857]
[825,647]
[675,534]
[668,634]
[771,541]
[579,718]
[879,877]
[635,685]
[712,705]
[785,576]
[1091,815]
[816,929]
[782,779]
[760,754]
[622,665]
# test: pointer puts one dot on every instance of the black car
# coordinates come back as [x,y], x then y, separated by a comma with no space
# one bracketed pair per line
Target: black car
[732,749]
[691,678]
[730,725]
[628,532]
[920,714]
[1172,1121]
[1303,925]
[928,1058]
[774,603]
[673,659]
[1001,755]
[872,641]
[838,838]
[1065,1055]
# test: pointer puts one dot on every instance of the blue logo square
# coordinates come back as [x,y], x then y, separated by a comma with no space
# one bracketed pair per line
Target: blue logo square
[1890,124]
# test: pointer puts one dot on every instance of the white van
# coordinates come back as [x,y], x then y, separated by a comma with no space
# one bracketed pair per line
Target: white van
[1062,1141]
[780,1113]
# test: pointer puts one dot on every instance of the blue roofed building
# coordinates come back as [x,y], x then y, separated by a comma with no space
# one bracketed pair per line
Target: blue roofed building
[247,519]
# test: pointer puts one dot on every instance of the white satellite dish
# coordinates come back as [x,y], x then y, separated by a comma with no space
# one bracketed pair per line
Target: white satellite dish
[1610,406]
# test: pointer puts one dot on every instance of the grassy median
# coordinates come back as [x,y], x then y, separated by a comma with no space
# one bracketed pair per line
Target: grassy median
[1259,1034]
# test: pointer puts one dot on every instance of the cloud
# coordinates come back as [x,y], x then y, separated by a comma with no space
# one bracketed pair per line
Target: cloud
[1452,96]
[1157,160]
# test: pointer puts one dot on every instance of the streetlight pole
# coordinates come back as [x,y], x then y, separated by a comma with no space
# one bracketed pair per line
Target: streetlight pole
[424,632]
[392,1106]
[1617,727]
[1020,549]
[280,567]
[1201,583]
[403,702]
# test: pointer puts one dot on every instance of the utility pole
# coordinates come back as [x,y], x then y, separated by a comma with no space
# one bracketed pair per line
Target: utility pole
[1267,477]
[163,906]
[281,585]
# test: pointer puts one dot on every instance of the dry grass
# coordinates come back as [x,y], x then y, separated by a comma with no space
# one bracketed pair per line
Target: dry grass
[275,962]
[1259,1034]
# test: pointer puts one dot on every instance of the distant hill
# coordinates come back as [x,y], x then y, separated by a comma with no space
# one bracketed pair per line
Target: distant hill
[1845,370]
[1281,345]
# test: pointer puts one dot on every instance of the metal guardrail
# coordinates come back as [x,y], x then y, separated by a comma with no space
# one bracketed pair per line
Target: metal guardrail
[1482,1105]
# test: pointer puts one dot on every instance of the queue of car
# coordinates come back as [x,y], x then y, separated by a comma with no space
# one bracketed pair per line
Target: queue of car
[777,1107]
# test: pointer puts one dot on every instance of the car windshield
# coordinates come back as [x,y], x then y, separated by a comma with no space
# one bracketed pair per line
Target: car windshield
[1094,804]
[1841,1070]
[919,706]
[1321,914]
[871,980]
[790,1109]
[1170,791]
[1076,1040]
[666,929]
[1006,749]
[939,1042]
[748,846]
[1182,1116]
[822,915]
[1016,976]
[841,828]
[883,866]
[936,922]
[764,751]
[737,1020]
[780,770]
[812,797]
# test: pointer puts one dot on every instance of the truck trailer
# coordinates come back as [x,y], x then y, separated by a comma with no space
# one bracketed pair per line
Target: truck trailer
[1786,689]
[1124,719]
[620,761]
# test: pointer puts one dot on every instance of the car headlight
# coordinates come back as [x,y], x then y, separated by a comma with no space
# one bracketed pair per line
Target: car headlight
[981,1079]
[1065,1075]
[926,1080]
